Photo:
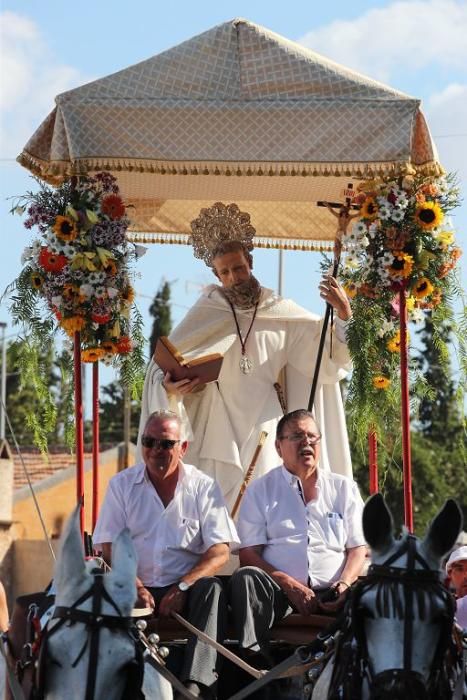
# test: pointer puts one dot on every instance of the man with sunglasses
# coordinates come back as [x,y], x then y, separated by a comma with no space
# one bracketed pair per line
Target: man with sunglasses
[182,533]
[301,537]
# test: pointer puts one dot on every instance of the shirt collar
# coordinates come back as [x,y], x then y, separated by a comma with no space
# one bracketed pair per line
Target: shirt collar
[292,479]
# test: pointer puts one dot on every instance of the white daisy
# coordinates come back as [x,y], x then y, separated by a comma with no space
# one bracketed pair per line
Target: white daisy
[397,215]
[26,254]
[351,262]
[416,316]
[101,291]
[112,292]
[86,290]
[360,227]
[384,212]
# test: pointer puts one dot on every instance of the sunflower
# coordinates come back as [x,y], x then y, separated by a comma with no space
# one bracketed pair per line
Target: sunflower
[65,228]
[423,288]
[92,354]
[113,206]
[394,345]
[369,209]
[51,262]
[381,382]
[429,215]
[350,288]
[72,324]
[108,347]
[37,280]
[401,265]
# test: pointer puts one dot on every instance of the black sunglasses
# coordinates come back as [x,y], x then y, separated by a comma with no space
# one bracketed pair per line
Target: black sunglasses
[150,442]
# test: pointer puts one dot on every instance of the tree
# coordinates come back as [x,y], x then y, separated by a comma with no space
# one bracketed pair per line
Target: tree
[160,310]
[111,415]
[439,415]
[22,401]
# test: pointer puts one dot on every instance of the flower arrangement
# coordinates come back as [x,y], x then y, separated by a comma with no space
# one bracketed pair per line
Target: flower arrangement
[402,240]
[79,266]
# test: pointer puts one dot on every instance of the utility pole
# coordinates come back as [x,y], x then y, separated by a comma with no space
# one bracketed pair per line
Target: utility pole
[3,382]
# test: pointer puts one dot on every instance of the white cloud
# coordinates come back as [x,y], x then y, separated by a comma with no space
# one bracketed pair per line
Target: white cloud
[407,33]
[31,78]
[447,116]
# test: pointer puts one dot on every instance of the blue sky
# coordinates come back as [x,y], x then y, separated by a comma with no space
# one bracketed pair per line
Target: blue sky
[417,46]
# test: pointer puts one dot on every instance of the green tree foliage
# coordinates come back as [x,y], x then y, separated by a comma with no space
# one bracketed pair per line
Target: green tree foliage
[160,310]
[437,441]
[111,415]
[22,400]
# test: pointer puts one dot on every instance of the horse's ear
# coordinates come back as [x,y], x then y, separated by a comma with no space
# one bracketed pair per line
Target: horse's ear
[444,529]
[123,568]
[378,524]
[70,564]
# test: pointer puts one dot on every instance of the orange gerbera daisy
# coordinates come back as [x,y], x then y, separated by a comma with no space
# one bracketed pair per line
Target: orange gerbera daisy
[72,324]
[124,345]
[92,354]
[65,228]
[381,382]
[128,295]
[110,267]
[113,206]
[109,347]
[51,262]
[100,318]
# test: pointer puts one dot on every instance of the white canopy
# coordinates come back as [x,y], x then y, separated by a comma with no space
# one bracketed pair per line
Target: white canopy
[236,114]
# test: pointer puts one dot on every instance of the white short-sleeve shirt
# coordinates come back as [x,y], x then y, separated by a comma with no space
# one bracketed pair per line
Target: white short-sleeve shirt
[305,540]
[168,541]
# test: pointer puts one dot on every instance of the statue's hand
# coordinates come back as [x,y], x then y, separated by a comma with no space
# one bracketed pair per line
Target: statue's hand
[332,293]
[183,386]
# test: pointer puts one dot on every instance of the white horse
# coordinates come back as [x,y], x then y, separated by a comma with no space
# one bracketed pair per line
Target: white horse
[397,641]
[91,650]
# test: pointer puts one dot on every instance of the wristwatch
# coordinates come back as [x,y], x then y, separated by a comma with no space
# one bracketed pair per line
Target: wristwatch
[183,586]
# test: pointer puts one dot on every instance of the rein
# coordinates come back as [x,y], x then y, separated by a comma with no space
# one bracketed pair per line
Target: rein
[94,620]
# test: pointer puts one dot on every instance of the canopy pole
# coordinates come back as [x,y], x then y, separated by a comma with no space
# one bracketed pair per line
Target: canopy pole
[79,429]
[322,339]
[405,413]
[95,443]
[373,462]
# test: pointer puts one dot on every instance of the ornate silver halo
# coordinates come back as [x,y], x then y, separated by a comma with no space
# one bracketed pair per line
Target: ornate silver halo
[220,223]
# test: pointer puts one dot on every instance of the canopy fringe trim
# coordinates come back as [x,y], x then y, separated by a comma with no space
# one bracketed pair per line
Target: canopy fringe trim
[55,172]
[258,242]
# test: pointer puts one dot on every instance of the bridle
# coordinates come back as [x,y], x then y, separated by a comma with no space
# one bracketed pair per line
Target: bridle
[398,592]
[95,620]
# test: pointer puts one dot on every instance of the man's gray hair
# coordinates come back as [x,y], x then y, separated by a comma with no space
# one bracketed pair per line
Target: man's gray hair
[164,414]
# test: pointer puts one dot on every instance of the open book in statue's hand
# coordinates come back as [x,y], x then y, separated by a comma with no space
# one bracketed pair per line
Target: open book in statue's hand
[168,358]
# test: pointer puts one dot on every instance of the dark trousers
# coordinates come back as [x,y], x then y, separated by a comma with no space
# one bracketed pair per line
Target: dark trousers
[257,603]
[206,609]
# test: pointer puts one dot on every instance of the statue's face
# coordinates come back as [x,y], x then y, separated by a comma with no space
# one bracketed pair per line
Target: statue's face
[232,268]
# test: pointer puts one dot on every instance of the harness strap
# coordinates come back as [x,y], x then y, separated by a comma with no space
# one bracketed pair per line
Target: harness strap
[15,688]
[90,619]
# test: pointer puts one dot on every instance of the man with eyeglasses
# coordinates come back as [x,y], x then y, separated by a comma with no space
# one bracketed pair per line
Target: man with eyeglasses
[182,533]
[301,537]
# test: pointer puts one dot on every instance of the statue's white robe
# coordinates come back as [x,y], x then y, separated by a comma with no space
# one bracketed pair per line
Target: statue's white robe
[224,419]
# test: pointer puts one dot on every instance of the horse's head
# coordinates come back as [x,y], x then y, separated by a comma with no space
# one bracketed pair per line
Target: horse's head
[402,613]
[89,647]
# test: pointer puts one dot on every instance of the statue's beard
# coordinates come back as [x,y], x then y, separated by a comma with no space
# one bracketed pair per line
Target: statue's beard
[243,295]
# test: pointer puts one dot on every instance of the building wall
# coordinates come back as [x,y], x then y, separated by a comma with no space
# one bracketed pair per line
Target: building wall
[32,562]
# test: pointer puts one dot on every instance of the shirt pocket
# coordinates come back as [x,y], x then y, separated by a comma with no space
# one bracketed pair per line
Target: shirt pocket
[334,530]
[190,534]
